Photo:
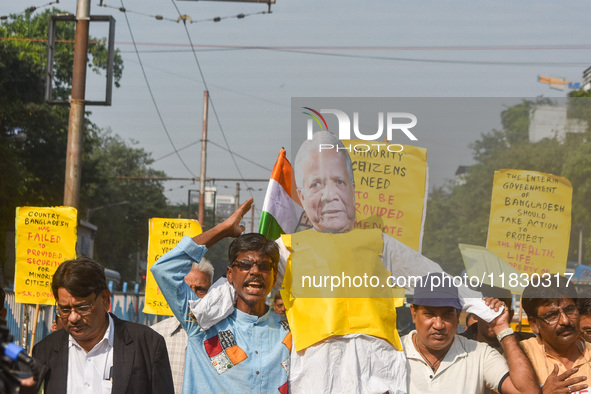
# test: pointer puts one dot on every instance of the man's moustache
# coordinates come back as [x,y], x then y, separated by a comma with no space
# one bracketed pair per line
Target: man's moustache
[570,327]
[255,278]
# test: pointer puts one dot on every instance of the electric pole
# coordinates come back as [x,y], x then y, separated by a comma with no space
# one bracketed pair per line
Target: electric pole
[76,120]
[201,217]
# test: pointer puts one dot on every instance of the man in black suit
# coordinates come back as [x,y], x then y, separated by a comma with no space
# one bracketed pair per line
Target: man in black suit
[97,352]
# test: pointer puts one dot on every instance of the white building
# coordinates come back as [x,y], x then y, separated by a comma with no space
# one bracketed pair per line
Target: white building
[549,121]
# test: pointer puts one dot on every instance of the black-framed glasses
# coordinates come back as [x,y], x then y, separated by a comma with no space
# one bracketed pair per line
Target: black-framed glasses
[246,265]
[82,310]
[552,318]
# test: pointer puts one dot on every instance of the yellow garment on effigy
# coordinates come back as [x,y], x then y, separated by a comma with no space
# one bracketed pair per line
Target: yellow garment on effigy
[316,312]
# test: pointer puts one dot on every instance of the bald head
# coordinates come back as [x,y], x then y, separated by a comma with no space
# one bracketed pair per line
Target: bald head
[325,183]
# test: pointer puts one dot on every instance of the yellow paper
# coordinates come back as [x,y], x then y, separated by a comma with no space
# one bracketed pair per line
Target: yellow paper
[164,235]
[390,183]
[366,308]
[45,238]
[530,220]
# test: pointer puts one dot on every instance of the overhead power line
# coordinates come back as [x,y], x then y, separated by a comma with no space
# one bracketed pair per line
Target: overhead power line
[195,179]
[185,18]
[154,99]
[210,98]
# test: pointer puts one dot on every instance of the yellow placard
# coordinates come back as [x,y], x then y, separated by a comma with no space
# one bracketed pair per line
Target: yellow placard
[530,220]
[164,235]
[45,237]
[390,184]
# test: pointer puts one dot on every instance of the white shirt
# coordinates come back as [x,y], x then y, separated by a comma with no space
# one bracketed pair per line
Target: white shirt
[176,339]
[468,367]
[91,372]
[352,363]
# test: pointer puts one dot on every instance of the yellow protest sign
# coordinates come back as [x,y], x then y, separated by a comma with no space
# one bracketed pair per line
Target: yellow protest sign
[45,237]
[390,184]
[530,220]
[164,235]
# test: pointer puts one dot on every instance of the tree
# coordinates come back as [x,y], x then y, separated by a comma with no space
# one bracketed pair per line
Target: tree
[460,213]
[33,138]
[27,33]
[125,205]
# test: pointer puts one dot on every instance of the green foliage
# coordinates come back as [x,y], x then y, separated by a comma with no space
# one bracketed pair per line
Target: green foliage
[579,106]
[33,137]
[28,34]
[120,208]
[460,213]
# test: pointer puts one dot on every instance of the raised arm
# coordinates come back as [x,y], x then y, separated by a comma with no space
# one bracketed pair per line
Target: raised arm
[170,270]
[402,260]
[522,377]
[228,228]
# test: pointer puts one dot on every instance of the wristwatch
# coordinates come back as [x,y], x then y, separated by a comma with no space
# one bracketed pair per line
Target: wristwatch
[505,333]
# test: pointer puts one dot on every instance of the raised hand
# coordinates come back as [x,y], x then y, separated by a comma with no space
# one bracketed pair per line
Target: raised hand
[234,228]
[228,228]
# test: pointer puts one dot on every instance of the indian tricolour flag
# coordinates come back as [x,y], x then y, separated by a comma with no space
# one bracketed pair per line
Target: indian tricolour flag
[282,209]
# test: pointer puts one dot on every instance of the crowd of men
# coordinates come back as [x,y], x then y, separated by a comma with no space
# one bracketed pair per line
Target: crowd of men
[226,338]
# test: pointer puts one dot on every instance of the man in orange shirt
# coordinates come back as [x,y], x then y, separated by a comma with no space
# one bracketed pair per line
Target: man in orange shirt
[560,358]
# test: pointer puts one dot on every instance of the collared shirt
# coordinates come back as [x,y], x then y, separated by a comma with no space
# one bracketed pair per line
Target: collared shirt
[356,362]
[176,339]
[241,352]
[321,367]
[91,372]
[544,363]
[468,367]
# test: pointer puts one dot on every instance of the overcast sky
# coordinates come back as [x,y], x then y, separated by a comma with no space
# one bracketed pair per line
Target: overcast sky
[334,48]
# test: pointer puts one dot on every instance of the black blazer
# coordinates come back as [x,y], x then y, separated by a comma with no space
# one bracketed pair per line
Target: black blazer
[140,360]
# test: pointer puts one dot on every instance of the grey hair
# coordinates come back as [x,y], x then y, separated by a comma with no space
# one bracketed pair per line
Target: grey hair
[205,267]
[313,145]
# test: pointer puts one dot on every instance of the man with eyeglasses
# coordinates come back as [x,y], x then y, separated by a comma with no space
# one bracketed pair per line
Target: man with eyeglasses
[97,352]
[559,357]
[346,343]
[440,361]
[199,280]
[247,350]
[584,305]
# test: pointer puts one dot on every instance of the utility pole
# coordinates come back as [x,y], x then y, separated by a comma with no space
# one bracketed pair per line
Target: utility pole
[76,120]
[580,244]
[201,217]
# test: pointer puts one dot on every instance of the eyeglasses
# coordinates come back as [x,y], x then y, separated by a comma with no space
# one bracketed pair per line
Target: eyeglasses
[82,310]
[246,265]
[551,318]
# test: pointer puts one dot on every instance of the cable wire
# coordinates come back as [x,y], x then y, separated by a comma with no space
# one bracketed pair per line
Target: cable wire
[152,95]
[184,17]
[402,59]
[31,9]
[210,98]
